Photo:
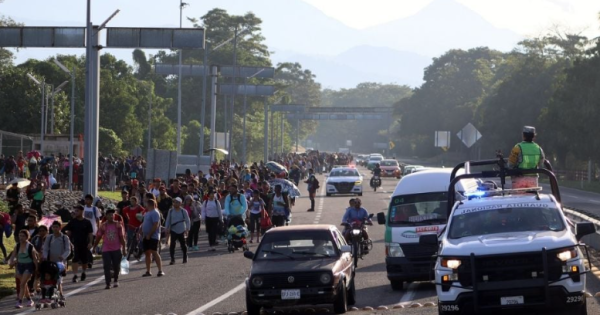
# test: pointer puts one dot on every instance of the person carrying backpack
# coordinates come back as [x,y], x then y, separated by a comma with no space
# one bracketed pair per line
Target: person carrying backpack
[235,204]
[57,249]
[26,260]
[178,226]
[212,216]
[313,185]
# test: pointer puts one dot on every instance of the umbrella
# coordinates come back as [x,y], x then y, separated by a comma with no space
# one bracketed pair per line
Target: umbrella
[286,186]
[218,150]
[21,183]
[48,219]
[33,153]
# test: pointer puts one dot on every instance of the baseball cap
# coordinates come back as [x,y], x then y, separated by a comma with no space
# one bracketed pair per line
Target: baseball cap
[529,129]
[177,199]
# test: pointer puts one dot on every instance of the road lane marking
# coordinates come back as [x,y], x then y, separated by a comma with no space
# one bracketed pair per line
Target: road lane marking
[409,295]
[218,300]
[319,209]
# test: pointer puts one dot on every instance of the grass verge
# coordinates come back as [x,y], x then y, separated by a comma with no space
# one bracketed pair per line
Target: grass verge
[115,196]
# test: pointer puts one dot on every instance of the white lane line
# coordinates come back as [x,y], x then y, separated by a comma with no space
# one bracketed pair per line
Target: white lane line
[319,210]
[409,295]
[594,201]
[218,300]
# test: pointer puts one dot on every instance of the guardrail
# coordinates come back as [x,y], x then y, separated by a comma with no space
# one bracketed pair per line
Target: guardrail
[578,215]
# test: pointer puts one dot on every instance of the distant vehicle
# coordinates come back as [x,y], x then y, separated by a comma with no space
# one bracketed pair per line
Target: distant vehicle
[409,169]
[309,149]
[344,180]
[390,168]
[344,150]
[301,265]
[374,159]
[361,159]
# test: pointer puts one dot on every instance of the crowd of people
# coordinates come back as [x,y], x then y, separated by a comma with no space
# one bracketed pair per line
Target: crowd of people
[150,214]
[113,172]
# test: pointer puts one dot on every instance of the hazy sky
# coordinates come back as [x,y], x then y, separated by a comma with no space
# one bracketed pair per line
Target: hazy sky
[526,17]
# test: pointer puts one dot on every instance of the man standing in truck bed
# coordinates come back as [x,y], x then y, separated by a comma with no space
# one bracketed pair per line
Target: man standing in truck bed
[526,155]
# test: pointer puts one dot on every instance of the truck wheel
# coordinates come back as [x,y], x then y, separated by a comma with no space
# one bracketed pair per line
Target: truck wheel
[583,308]
[328,194]
[252,308]
[340,305]
[360,194]
[397,285]
[352,293]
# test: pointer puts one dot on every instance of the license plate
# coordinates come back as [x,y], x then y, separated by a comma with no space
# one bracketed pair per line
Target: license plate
[290,294]
[511,300]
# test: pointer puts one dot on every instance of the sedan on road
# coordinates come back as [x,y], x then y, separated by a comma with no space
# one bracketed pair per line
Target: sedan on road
[390,168]
[344,180]
[301,265]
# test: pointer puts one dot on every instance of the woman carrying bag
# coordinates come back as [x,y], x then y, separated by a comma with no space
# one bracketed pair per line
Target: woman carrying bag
[212,215]
[193,207]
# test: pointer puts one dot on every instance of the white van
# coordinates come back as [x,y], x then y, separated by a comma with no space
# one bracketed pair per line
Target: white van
[417,207]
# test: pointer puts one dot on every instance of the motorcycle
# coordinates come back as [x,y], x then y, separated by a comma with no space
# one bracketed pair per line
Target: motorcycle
[360,246]
[375,182]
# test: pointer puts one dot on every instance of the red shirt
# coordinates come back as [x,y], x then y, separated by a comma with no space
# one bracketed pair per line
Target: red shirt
[130,213]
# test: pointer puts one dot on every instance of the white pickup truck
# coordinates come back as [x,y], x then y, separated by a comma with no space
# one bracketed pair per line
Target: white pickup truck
[506,249]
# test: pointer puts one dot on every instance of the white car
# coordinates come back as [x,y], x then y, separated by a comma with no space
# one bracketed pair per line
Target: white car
[344,180]
[510,249]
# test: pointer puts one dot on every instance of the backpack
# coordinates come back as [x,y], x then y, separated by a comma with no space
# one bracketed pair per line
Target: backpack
[71,253]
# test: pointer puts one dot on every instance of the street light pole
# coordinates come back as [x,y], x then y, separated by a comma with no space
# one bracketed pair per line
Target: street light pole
[42,86]
[72,127]
[58,89]
[179,84]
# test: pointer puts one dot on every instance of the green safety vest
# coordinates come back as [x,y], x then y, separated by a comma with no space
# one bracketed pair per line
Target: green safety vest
[531,153]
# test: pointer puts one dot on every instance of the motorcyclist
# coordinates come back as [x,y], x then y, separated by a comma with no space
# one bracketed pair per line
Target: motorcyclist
[376,173]
[355,213]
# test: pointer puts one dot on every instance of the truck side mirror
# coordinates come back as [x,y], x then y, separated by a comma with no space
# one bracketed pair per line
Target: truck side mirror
[248,254]
[428,239]
[584,228]
[381,218]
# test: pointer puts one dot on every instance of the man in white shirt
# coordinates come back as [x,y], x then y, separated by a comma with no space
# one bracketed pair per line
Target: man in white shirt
[91,213]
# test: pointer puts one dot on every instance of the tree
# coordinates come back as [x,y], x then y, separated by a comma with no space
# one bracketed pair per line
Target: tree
[109,143]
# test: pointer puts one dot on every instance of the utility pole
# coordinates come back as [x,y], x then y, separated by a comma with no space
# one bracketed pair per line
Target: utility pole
[179,83]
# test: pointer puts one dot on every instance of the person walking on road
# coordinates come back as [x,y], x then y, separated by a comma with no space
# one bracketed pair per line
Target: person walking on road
[313,185]
[57,248]
[213,217]
[26,258]
[194,210]
[257,208]
[113,247]
[80,232]
[279,205]
[151,235]
[178,226]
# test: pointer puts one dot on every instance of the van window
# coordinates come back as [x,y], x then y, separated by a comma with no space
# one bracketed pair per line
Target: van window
[418,209]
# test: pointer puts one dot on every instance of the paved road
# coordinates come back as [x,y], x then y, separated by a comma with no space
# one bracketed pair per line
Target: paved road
[213,282]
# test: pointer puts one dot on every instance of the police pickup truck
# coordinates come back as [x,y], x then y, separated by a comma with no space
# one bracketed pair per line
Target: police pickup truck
[506,249]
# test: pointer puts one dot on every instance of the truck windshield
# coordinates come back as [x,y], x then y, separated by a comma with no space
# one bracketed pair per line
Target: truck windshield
[491,220]
[418,209]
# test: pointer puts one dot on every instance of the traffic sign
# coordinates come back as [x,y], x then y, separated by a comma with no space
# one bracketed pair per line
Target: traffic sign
[469,135]
[392,145]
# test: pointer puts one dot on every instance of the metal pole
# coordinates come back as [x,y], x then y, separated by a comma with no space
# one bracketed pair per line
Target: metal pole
[90,169]
[266,135]
[42,123]
[231,116]
[226,124]
[282,133]
[149,123]
[179,84]
[234,80]
[297,132]
[203,110]
[244,126]
[46,109]
[213,110]
[71,132]
[272,150]
[52,114]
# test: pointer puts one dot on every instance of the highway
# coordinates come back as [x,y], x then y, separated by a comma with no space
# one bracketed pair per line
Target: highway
[213,282]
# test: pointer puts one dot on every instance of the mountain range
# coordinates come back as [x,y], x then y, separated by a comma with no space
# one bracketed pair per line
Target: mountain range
[340,56]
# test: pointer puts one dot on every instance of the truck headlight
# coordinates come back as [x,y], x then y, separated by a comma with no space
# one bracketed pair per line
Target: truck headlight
[358,182]
[325,278]
[567,254]
[451,263]
[257,282]
[393,250]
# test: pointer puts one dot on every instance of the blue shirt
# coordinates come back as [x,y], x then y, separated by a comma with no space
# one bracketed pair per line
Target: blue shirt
[236,206]
[353,214]
[150,218]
